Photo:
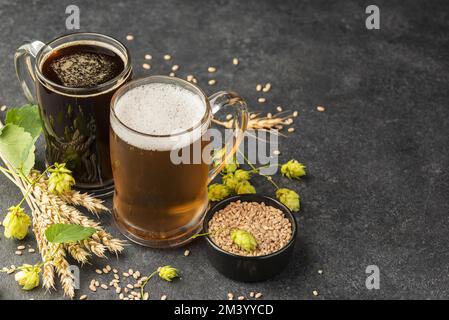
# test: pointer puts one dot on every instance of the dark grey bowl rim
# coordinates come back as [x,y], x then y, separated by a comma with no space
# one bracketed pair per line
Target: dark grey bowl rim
[259,199]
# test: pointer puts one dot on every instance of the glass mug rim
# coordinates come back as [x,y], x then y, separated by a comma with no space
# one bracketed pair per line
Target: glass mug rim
[98,89]
[161,79]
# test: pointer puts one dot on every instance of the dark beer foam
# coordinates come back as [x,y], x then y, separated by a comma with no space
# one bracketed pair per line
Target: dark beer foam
[84,69]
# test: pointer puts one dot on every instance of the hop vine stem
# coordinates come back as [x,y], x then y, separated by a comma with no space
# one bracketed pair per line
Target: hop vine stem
[257,170]
[142,287]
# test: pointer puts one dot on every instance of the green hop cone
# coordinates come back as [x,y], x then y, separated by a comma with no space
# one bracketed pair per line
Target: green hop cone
[289,198]
[293,169]
[16,223]
[230,181]
[60,180]
[168,273]
[230,167]
[218,192]
[28,276]
[244,187]
[242,175]
[244,239]
[218,155]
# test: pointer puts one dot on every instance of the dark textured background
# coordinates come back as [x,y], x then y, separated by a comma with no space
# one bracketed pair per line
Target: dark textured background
[377,190]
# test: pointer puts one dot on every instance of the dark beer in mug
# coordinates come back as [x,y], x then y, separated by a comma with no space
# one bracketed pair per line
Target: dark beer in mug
[76,77]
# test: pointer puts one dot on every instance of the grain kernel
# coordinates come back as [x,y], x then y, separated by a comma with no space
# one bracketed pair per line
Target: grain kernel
[146,66]
[267,87]
[211,69]
[83,297]
[235,61]
[211,82]
[129,37]
[261,100]
[167,57]
[321,109]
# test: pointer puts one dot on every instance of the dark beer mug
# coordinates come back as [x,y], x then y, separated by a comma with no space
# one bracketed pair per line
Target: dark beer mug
[72,79]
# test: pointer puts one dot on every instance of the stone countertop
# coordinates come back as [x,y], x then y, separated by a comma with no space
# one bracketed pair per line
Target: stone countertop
[377,188]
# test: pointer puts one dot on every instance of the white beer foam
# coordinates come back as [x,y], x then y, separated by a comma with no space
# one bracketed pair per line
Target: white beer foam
[159,109]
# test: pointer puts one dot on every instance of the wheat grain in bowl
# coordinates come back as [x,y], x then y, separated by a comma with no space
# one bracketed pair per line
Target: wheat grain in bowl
[268,225]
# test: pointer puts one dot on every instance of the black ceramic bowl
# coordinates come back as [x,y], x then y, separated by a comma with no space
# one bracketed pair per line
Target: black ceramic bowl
[243,268]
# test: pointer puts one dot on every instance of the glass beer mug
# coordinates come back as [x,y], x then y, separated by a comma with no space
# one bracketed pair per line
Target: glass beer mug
[72,79]
[158,201]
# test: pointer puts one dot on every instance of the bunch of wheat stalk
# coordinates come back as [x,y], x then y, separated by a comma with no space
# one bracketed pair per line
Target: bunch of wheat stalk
[257,122]
[48,209]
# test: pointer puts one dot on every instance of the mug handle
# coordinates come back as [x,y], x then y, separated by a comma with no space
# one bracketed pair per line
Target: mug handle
[218,101]
[24,60]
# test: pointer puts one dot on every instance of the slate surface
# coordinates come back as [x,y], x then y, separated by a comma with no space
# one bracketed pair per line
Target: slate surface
[377,191]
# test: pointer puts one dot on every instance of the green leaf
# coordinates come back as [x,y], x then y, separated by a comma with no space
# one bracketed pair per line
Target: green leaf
[17,146]
[26,117]
[64,233]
